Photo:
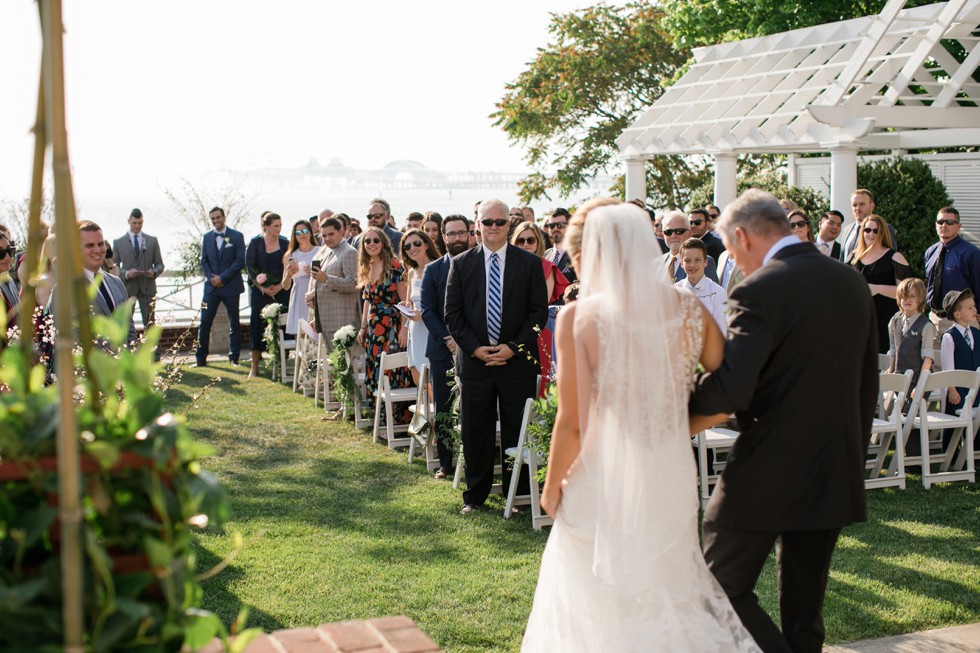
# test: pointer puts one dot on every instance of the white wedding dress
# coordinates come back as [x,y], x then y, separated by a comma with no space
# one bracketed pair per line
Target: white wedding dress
[623,571]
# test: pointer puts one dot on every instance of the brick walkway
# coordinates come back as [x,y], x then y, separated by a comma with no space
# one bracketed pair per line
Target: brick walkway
[385,635]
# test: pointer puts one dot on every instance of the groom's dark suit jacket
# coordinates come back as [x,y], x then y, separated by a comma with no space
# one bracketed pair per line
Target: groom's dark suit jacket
[525,306]
[801,374]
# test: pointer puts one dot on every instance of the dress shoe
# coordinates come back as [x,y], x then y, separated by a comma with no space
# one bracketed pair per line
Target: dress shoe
[201,364]
[444,472]
[468,508]
[234,363]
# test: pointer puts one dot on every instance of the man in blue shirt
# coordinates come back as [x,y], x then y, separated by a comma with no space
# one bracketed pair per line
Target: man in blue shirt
[951,264]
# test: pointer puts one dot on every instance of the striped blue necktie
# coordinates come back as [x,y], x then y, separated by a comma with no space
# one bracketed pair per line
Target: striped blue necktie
[493,300]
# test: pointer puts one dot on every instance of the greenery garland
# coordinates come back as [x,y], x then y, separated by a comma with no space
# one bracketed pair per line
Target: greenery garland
[341,365]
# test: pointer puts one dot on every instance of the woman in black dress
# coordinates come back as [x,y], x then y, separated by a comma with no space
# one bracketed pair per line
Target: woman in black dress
[883,268]
[263,263]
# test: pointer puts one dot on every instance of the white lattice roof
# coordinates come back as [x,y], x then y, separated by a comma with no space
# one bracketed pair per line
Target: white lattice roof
[879,82]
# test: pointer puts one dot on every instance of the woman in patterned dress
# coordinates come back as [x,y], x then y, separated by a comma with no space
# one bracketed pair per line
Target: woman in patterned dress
[379,276]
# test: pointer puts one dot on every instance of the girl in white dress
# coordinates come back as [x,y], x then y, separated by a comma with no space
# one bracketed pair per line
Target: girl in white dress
[296,273]
[623,570]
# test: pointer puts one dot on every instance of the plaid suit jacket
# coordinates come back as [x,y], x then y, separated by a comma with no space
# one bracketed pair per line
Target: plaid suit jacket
[336,301]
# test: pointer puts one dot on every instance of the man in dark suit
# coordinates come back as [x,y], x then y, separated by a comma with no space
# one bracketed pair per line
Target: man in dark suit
[796,474]
[222,260]
[496,300]
[140,263]
[111,291]
[441,347]
[827,232]
[700,228]
[555,227]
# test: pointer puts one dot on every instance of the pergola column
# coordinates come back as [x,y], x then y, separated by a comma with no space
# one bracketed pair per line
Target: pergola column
[726,168]
[843,177]
[636,179]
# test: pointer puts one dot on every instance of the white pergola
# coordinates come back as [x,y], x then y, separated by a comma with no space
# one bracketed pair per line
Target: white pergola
[883,82]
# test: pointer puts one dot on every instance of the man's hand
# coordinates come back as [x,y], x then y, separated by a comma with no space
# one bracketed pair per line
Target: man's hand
[484,353]
[320,276]
[451,344]
[501,354]
[954,396]
[149,273]
[309,302]
[132,274]
[216,281]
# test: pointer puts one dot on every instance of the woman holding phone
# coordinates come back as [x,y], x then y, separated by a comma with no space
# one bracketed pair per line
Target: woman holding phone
[296,277]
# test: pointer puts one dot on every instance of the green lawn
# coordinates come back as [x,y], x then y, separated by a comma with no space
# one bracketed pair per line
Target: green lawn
[338,528]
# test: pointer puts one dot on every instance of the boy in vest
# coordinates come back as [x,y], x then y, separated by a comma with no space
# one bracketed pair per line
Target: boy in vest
[911,334]
[960,349]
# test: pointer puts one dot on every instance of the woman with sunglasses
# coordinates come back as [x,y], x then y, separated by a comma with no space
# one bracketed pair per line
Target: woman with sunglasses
[799,226]
[432,226]
[883,268]
[379,276]
[529,237]
[263,265]
[417,251]
[296,278]
[8,288]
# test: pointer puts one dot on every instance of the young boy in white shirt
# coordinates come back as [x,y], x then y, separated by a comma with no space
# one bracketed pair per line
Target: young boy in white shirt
[694,259]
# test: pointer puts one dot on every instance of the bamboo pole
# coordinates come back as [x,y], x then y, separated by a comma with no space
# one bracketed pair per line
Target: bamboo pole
[68,272]
[28,300]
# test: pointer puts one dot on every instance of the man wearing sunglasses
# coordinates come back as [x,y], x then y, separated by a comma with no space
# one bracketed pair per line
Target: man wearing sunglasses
[378,214]
[951,264]
[496,301]
[8,287]
[700,229]
[677,229]
[555,226]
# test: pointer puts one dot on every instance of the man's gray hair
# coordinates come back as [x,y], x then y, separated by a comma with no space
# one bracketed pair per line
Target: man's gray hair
[677,214]
[755,211]
[486,205]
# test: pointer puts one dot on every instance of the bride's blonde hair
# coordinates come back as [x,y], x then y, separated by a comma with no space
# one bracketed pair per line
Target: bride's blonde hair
[576,227]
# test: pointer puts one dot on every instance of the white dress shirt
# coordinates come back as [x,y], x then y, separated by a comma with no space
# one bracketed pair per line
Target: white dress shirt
[712,296]
[821,244]
[782,243]
[501,258]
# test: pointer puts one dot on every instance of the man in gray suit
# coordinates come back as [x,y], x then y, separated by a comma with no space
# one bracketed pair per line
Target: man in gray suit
[333,290]
[112,293]
[140,263]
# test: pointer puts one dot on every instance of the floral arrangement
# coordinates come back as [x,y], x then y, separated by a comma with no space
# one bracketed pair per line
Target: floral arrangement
[341,370]
[270,336]
[266,280]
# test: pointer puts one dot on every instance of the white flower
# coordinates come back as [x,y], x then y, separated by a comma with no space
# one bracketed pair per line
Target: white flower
[345,335]
[271,311]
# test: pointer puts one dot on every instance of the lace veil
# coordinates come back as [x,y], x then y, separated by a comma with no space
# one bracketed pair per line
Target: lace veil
[630,348]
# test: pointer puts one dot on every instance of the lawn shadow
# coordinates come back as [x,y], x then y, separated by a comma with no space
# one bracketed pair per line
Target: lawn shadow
[225,603]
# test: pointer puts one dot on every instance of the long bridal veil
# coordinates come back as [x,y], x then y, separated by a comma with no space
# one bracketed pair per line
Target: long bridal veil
[623,569]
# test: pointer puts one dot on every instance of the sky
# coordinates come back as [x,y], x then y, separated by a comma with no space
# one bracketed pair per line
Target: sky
[162,90]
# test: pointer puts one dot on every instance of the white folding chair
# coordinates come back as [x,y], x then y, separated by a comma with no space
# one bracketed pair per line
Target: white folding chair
[886,431]
[285,346]
[934,423]
[718,442]
[523,454]
[355,358]
[321,382]
[305,369]
[884,362]
[424,439]
[388,396]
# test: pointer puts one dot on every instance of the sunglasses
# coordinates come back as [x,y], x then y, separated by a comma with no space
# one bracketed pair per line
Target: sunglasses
[8,251]
[555,225]
[372,241]
[697,223]
[676,232]
[797,225]
[413,244]
[714,216]
[530,240]
[499,222]
[948,223]
[300,232]
[372,216]
[870,230]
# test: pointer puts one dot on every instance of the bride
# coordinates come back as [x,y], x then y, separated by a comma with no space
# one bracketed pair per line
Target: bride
[622,570]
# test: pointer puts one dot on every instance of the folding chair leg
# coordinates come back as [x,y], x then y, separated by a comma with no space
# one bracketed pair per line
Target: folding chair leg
[460,466]
[514,478]
[377,420]
[389,422]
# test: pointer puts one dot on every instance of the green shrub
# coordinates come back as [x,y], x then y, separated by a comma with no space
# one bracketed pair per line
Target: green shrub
[908,196]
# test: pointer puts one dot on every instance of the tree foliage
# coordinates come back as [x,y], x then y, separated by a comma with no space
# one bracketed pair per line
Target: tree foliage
[908,196]
[704,22]
[603,66]
[773,181]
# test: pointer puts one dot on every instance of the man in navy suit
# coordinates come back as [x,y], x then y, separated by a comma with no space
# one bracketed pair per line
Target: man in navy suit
[496,299]
[441,347]
[222,260]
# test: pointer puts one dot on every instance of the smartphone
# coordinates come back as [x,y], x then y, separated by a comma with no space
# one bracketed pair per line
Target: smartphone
[316,265]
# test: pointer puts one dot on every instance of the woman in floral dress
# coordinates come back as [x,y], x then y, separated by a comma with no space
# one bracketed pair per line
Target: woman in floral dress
[379,276]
